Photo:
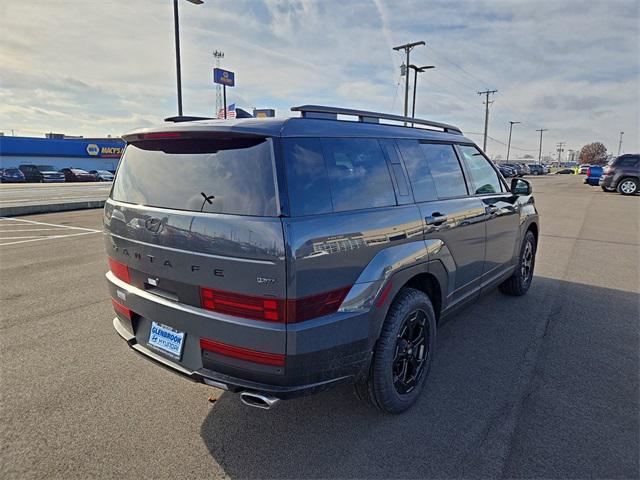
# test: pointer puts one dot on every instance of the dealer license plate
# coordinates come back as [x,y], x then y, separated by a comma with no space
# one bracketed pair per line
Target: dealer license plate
[166,339]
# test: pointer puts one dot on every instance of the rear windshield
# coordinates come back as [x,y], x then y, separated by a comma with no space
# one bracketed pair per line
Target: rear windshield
[233,176]
[46,168]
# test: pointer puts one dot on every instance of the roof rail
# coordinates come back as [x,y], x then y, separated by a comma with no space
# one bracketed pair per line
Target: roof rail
[186,118]
[331,113]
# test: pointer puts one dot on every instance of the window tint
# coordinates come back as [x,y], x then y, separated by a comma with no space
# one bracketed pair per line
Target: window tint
[307,179]
[219,176]
[445,170]
[358,174]
[627,162]
[484,178]
[418,170]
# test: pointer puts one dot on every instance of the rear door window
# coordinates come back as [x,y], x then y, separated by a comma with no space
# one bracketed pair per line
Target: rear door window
[445,170]
[307,179]
[415,160]
[234,176]
[358,174]
[484,179]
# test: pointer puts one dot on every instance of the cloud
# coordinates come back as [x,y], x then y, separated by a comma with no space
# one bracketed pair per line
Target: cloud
[97,68]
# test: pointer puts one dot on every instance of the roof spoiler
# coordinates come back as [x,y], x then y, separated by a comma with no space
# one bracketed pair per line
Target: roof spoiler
[240,113]
[331,113]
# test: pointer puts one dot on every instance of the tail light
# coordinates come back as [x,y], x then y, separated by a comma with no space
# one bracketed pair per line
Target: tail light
[273,309]
[119,308]
[120,270]
[276,359]
[588,171]
[246,306]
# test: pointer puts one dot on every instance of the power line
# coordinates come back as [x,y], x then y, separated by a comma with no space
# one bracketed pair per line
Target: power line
[502,143]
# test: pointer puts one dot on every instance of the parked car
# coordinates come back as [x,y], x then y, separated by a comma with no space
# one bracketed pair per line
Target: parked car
[583,169]
[546,167]
[506,171]
[594,172]
[525,168]
[517,168]
[622,174]
[565,171]
[536,169]
[300,253]
[77,175]
[12,175]
[40,173]
[102,175]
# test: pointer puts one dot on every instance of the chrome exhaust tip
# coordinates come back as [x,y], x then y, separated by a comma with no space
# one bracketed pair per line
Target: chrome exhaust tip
[258,400]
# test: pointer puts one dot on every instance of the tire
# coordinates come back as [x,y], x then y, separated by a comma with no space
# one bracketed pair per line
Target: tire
[403,354]
[628,186]
[606,189]
[535,172]
[518,284]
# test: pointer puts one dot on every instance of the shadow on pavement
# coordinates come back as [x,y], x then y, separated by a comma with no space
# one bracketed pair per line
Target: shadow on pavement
[545,385]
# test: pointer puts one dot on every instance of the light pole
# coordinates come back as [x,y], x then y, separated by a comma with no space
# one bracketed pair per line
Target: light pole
[176,27]
[407,47]
[417,70]
[511,124]
[620,143]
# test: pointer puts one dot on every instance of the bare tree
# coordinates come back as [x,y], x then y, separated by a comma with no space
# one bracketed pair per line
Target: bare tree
[593,154]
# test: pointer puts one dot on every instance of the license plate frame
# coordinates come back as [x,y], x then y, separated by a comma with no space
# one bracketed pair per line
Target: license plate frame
[166,340]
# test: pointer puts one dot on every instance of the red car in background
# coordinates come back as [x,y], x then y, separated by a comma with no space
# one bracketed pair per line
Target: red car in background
[77,175]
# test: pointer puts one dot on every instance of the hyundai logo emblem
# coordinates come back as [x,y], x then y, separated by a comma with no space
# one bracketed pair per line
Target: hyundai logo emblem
[154,225]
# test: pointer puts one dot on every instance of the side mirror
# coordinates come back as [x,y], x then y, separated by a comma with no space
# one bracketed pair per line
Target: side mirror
[520,186]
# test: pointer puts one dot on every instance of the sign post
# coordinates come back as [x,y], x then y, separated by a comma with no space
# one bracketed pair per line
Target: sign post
[226,79]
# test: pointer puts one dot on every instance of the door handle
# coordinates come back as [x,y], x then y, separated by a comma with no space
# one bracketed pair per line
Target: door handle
[436,218]
[491,209]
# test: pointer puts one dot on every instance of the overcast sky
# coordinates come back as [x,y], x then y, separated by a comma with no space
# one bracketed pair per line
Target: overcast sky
[98,67]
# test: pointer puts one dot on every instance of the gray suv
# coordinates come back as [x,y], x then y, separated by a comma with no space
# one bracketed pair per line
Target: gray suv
[278,257]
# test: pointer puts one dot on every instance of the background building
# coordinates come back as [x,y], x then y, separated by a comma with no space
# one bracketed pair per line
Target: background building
[61,152]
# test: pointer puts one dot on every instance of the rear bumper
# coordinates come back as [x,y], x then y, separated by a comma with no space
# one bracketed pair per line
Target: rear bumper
[318,353]
[53,180]
[606,181]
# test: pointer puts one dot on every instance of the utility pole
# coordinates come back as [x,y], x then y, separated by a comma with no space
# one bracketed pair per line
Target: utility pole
[560,149]
[511,124]
[620,143]
[417,70]
[540,151]
[486,115]
[407,47]
[218,54]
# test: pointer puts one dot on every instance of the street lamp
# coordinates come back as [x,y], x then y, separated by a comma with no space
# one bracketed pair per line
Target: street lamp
[511,124]
[177,35]
[417,70]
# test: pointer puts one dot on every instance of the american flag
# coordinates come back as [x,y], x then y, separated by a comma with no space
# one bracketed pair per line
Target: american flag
[231,111]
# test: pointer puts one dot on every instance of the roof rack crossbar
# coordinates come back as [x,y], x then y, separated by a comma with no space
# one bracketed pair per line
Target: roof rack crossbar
[319,111]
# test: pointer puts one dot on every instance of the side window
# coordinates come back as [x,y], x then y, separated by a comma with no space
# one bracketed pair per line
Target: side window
[484,178]
[445,170]
[418,169]
[358,174]
[307,179]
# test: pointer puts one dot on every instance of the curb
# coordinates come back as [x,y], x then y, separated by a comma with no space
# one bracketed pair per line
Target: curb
[49,208]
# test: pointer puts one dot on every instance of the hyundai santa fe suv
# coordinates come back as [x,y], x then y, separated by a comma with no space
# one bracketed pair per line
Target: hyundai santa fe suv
[288,255]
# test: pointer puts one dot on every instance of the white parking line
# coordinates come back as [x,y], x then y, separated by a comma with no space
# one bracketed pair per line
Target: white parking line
[49,224]
[51,237]
[4,221]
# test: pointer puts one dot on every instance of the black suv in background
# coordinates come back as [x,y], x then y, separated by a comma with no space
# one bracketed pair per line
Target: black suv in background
[622,174]
[41,173]
[293,254]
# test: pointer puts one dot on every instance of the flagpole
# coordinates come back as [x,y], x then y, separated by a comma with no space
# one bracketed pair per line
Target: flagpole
[224,94]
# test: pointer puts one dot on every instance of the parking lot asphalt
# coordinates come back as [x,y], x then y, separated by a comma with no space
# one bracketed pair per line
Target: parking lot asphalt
[16,194]
[541,386]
